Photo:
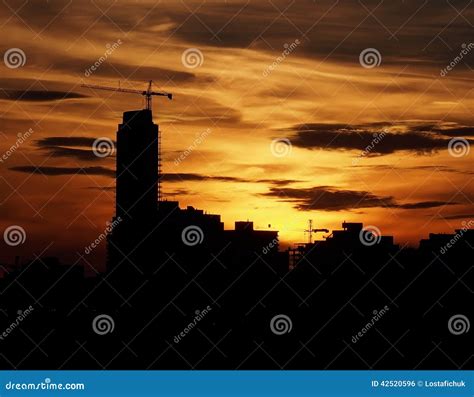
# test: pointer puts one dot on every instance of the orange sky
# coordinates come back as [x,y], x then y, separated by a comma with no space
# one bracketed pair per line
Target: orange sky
[243,93]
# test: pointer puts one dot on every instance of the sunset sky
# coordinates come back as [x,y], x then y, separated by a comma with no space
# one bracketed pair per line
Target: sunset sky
[273,111]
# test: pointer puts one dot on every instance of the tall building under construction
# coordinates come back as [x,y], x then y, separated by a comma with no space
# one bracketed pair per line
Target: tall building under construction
[148,229]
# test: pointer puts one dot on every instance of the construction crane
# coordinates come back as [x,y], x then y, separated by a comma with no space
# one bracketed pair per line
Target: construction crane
[148,93]
[310,231]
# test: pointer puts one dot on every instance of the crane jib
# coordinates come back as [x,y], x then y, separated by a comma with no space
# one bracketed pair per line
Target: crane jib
[148,93]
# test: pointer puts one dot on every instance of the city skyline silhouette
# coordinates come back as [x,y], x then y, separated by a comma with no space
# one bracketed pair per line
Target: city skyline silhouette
[248,185]
[175,278]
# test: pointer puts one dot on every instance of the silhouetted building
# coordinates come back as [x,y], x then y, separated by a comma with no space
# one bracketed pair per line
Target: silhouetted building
[460,243]
[145,229]
[137,166]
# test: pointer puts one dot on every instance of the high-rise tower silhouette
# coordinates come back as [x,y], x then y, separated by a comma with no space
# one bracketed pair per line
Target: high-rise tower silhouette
[137,166]
[130,241]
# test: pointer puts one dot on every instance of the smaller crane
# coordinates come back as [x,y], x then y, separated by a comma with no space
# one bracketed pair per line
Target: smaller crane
[148,93]
[310,231]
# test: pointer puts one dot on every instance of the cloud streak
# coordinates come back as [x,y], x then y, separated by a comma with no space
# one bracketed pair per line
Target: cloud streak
[63,146]
[329,198]
[39,95]
[381,141]
[56,171]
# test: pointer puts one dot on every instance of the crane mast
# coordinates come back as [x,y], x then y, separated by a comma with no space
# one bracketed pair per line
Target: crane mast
[310,231]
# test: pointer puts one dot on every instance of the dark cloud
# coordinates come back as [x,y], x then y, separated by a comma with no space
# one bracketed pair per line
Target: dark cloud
[373,139]
[55,171]
[328,198]
[423,204]
[278,182]
[74,141]
[389,167]
[446,130]
[63,146]
[78,154]
[459,216]
[454,132]
[38,95]
[191,177]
